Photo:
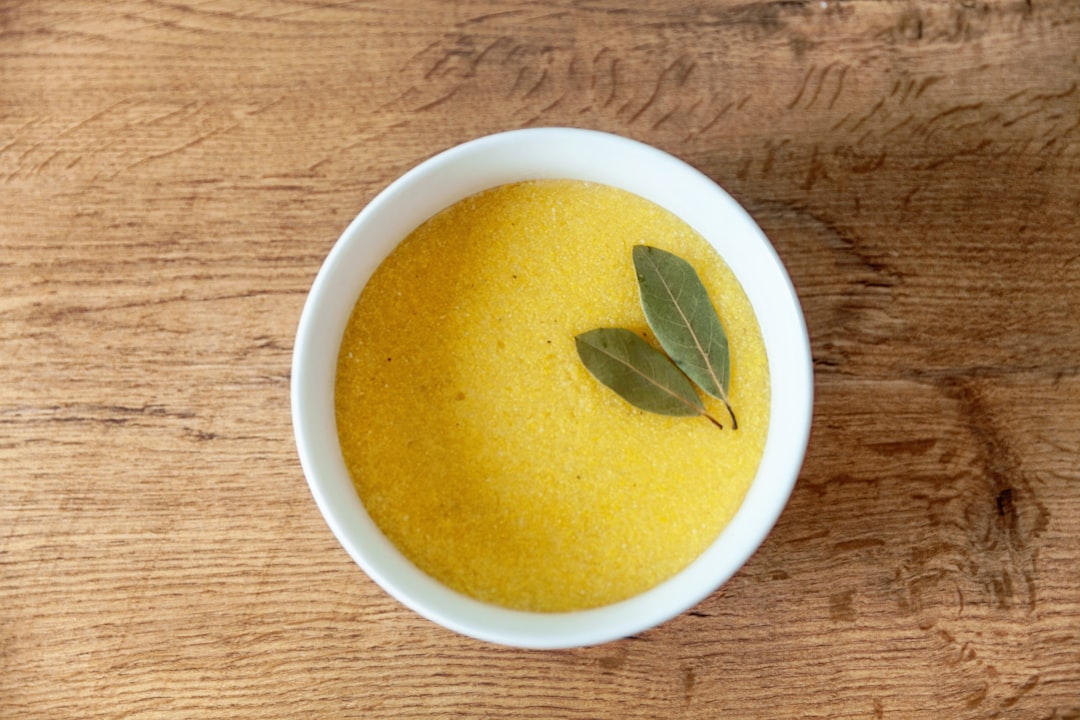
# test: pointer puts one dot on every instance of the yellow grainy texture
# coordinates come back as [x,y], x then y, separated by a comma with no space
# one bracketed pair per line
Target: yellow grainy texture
[483,448]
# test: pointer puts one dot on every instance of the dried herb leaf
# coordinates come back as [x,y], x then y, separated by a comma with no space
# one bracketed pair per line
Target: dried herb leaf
[639,373]
[684,320]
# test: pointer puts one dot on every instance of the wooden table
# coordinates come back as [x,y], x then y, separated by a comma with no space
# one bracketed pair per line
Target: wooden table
[172,175]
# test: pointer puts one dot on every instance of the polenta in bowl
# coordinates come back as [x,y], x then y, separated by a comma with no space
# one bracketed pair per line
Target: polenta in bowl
[463,453]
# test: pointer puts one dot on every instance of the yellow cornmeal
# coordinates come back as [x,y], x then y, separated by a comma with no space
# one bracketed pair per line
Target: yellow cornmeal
[480,444]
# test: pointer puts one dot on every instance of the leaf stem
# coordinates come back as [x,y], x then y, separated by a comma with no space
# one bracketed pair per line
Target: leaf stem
[734,422]
[713,420]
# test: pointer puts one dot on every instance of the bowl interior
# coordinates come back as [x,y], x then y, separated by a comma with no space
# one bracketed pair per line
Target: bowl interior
[556,153]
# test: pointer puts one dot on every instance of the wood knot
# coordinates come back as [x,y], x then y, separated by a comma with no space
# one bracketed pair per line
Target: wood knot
[1006,509]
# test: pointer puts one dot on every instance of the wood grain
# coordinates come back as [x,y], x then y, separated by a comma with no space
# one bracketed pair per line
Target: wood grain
[173,173]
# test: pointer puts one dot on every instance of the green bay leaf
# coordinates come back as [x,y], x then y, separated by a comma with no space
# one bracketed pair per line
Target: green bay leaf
[683,318]
[638,372]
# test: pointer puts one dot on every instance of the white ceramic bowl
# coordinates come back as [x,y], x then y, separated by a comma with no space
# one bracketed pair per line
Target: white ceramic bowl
[511,157]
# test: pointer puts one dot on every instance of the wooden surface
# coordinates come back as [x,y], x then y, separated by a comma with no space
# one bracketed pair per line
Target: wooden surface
[172,174]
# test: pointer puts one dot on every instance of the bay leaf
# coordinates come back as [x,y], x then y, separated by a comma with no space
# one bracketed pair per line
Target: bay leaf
[638,372]
[683,318]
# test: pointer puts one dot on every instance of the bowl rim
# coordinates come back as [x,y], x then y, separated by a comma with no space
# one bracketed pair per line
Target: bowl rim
[537,153]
